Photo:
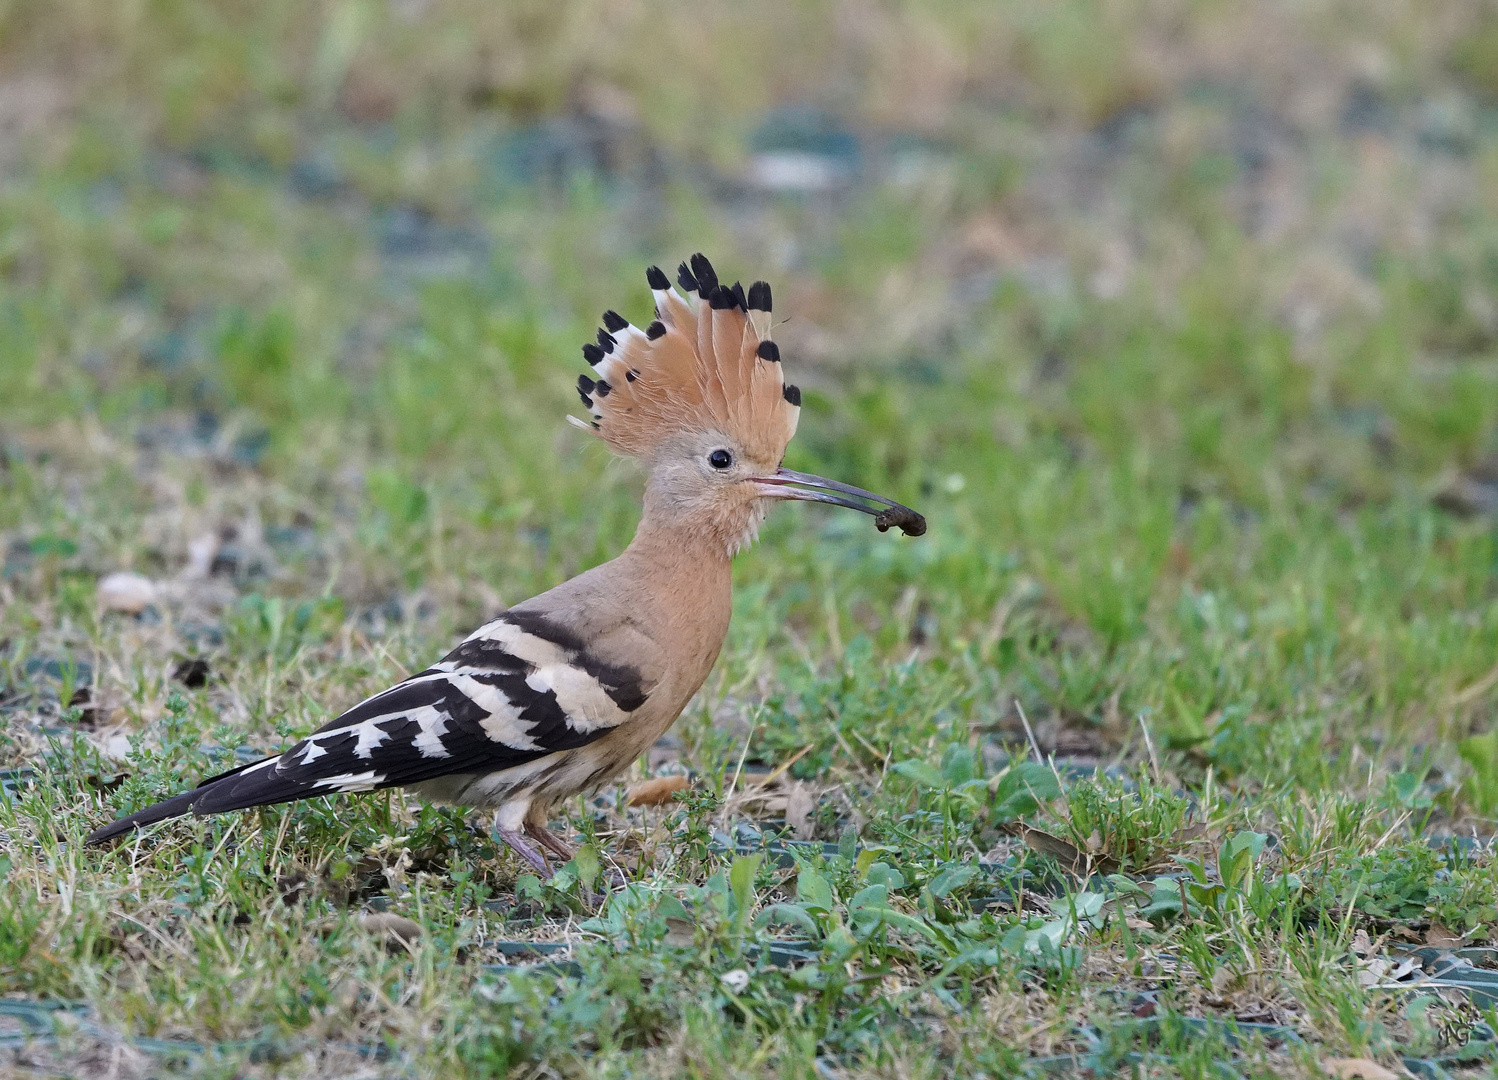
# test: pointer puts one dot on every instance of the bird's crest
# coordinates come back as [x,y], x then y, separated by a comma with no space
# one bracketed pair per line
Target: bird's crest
[705,363]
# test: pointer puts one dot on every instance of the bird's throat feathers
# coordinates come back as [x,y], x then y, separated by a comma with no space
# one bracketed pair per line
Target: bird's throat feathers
[699,521]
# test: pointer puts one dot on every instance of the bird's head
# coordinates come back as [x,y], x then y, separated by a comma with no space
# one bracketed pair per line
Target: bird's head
[699,396]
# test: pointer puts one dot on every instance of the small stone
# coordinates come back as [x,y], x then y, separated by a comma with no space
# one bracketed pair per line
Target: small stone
[397,931]
[126,592]
[736,980]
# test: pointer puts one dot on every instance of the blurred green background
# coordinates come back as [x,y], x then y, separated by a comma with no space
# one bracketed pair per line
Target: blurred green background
[1177,317]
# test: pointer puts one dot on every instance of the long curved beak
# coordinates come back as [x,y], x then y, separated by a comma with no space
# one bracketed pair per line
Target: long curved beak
[789,484]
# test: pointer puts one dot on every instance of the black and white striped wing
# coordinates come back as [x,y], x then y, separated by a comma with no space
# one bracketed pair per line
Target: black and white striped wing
[518,689]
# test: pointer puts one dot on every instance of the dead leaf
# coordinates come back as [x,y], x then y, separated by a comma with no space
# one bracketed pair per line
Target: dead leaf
[1255,1014]
[800,804]
[1372,971]
[88,708]
[99,783]
[1071,859]
[192,672]
[680,932]
[1358,1069]
[397,931]
[1047,844]
[294,887]
[1442,938]
[656,792]
[1407,967]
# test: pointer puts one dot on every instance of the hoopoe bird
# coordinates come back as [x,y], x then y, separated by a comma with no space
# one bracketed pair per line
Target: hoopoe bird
[563,691]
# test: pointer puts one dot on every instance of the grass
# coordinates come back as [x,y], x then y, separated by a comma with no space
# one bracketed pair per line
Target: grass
[1173,724]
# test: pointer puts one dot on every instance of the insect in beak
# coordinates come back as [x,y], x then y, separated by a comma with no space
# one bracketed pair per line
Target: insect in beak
[789,484]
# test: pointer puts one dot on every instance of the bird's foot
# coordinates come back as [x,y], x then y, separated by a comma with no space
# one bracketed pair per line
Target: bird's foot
[612,876]
[517,842]
[551,842]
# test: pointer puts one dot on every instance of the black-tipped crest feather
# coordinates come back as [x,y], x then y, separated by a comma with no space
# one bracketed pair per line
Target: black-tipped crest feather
[695,367]
[707,277]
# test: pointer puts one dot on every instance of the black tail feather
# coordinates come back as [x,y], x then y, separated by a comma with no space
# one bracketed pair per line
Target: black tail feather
[176,806]
[228,791]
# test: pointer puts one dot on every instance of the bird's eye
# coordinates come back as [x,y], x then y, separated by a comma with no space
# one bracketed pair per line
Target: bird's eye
[720,459]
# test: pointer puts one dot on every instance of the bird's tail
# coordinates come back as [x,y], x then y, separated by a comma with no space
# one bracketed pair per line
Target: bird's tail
[173,807]
[255,784]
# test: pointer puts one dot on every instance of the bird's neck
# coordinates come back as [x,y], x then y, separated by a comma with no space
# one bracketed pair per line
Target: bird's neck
[682,586]
[679,549]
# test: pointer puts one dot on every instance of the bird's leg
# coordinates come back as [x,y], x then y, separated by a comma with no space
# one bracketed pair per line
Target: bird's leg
[556,845]
[516,840]
[550,841]
[562,850]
